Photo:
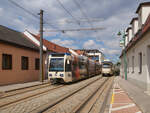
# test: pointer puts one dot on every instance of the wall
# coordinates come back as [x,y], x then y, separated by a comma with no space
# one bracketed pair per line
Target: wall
[145,13]
[140,79]
[16,74]
[101,56]
[130,34]
[135,26]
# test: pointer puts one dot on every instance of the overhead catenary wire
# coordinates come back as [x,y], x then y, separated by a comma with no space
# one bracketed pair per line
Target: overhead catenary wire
[55,29]
[68,12]
[83,13]
[30,13]
[80,29]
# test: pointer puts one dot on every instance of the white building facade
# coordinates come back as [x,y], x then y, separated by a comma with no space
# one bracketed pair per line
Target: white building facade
[138,49]
[98,56]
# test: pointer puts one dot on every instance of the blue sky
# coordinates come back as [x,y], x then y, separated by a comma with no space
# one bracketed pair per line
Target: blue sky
[113,15]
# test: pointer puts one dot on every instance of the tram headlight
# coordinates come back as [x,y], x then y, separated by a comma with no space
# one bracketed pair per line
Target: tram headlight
[61,75]
[50,74]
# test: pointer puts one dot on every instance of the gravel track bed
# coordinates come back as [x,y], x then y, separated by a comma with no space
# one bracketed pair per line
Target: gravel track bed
[72,102]
[23,90]
[99,105]
[30,104]
[15,98]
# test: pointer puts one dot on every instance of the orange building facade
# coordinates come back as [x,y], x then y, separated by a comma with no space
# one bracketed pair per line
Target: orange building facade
[15,73]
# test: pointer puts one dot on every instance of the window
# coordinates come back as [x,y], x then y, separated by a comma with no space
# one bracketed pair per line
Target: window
[24,63]
[132,64]
[6,61]
[140,62]
[37,64]
[56,64]
[82,65]
[68,65]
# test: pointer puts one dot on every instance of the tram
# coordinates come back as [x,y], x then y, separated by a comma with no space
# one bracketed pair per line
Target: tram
[65,67]
[107,68]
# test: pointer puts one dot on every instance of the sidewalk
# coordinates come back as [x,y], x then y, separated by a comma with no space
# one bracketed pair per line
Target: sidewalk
[136,94]
[11,87]
[121,102]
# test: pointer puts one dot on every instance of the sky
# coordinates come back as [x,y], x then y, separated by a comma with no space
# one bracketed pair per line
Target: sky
[112,15]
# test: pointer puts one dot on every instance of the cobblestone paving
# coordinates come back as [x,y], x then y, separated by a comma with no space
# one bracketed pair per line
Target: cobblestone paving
[70,103]
[121,102]
[23,95]
[30,104]
[99,103]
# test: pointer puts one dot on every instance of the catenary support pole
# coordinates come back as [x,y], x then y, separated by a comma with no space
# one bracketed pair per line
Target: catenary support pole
[124,55]
[41,77]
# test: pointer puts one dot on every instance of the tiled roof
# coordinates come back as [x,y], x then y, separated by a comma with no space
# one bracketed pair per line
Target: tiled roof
[15,37]
[52,46]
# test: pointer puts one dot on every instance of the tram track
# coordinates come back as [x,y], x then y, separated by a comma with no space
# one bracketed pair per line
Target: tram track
[47,107]
[58,105]
[38,102]
[23,90]
[26,95]
[95,103]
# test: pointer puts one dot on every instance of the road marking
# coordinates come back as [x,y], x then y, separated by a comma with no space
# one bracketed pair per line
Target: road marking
[112,98]
[139,112]
[122,107]
[119,92]
[123,103]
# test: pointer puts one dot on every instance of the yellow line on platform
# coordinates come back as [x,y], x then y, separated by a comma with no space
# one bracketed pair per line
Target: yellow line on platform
[112,99]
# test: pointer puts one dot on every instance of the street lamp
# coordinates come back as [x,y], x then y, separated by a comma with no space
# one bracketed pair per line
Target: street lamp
[124,52]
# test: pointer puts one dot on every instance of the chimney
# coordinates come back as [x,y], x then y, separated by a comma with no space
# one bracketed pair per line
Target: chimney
[134,24]
[129,34]
[143,11]
[126,40]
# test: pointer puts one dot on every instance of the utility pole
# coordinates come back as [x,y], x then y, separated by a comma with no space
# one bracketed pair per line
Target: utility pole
[41,77]
[124,53]
[124,56]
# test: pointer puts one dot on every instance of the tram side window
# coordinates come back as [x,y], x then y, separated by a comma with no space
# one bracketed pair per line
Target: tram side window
[82,65]
[68,65]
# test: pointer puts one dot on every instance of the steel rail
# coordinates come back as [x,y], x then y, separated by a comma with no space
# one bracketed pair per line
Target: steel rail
[98,94]
[23,90]
[81,105]
[48,106]
[29,96]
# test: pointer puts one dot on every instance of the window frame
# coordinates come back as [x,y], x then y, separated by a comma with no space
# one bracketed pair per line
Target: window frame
[4,67]
[37,63]
[140,62]
[22,66]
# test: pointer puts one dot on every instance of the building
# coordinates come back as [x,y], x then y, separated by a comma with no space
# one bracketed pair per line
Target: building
[93,54]
[19,58]
[48,46]
[138,49]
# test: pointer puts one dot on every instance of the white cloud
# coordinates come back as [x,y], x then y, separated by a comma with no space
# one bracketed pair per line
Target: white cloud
[116,15]
[1,11]
[65,43]
[110,52]
[90,44]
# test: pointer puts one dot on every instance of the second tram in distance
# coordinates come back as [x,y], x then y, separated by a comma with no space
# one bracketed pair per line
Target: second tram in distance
[65,67]
[107,68]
